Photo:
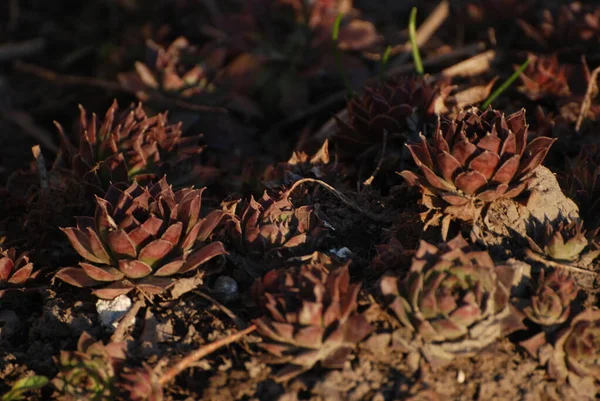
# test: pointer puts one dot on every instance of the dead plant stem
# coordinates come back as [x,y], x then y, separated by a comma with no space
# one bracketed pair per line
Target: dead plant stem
[200,353]
[340,196]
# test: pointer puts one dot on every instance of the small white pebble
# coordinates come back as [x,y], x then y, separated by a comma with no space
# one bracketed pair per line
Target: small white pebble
[342,253]
[460,377]
[110,311]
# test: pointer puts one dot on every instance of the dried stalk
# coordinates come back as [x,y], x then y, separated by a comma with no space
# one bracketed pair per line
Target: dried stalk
[201,353]
[340,196]
[590,94]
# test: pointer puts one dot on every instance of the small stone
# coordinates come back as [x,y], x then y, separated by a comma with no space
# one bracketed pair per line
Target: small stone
[110,311]
[460,377]
[342,253]
[226,289]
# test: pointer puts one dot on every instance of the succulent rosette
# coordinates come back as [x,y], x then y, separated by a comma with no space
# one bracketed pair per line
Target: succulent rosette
[141,384]
[140,238]
[400,106]
[550,304]
[179,69]
[581,182]
[568,28]
[564,241]
[90,372]
[300,165]
[544,78]
[475,159]
[454,301]
[310,316]
[576,353]
[125,146]
[269,229]
[15,269]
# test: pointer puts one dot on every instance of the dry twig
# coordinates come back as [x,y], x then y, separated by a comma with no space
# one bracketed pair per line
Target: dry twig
[340,196]
[590,94]
[66,79]
[127,321]
[201,353]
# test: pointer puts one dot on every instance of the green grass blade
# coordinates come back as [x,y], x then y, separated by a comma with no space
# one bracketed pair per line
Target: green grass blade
[412,31]
[505,85]
[335,33]
[384,60]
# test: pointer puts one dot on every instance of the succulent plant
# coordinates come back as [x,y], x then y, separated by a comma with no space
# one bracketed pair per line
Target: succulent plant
[401,108]
[454,301]
[572,27]
[269,229]
[125,147]
[550,305]
[300,165]
[89,373]
[564,241]
[179,69]
[581,182]
[15,268]
[475,159]
[141,384]
[545,78]
[576,353]
[285,52]
[310,316]
[139,238]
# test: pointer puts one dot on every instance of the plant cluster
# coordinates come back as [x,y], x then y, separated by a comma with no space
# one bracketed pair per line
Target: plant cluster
[317,255]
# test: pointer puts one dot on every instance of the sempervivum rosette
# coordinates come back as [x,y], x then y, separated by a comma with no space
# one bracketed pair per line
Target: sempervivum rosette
[15,269]
[551,303]
[139,238]
[545,78]
[91,371]
[563,242]
[475,159]
[270,229]
[454,301]
[310,316]
[180,69]
[398,106]
[581,182]
[576,353]
[392,112]
[125,146]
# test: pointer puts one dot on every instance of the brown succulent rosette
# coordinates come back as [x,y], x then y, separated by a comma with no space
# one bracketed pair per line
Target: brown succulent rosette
[310,316]
[473,160]
[15,269]
[545,77]
[576,353]
[581,182]
[125,146]
[564,242]
[393,113]
[453,302]
[180,70]
[550,305]
[270,229]
[141,238]
[568,28]
[90,372]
